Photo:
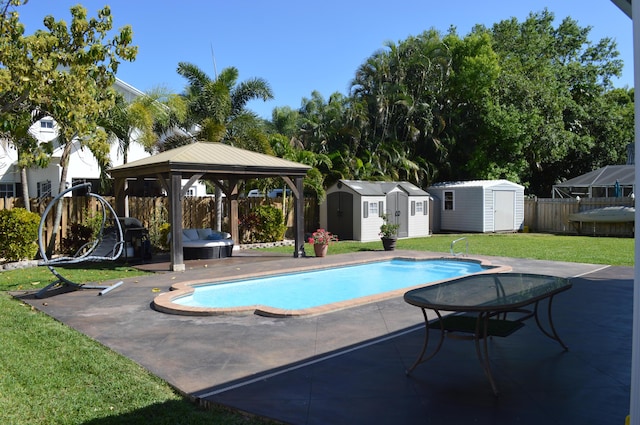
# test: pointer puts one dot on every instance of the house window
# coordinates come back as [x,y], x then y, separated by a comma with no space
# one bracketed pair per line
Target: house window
[449,201]
[46,124]
[44,189]
[7,190]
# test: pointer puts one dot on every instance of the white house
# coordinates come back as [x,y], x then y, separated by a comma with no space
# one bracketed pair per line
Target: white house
[478,206]
[353,209]
[83,167]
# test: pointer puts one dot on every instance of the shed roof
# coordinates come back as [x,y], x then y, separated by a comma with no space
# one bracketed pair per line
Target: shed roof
[381,188]
[211,158]
[474,183]
[605,176]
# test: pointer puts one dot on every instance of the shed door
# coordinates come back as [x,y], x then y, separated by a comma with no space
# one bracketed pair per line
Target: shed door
[340,215]
[504,210]
[398,211]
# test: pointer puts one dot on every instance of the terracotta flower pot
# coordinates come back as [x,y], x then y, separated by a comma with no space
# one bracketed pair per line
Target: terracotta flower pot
[320,249]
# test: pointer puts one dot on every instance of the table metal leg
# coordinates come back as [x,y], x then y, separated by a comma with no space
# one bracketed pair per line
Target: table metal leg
[553,334]
[421,358]
[482,330]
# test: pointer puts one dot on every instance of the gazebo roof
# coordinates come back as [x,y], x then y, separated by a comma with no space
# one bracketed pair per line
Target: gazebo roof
[211,158]
[215,161]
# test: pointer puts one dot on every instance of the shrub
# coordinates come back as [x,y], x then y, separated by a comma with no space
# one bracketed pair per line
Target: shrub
[163,237]
[18,234]
[264,224]
[159,229]
[79,235]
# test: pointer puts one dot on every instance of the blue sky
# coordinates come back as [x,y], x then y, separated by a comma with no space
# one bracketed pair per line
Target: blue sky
[302,46]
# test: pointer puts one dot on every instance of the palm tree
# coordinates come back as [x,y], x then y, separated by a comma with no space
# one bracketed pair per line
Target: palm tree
[217,108]
[403,88]
[132,122]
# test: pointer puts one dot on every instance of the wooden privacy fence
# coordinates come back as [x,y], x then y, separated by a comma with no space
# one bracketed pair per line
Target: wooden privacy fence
[198,212]
[551,215]
[544,215]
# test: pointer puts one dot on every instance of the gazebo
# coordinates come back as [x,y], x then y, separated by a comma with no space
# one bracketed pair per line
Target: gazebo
[225,166]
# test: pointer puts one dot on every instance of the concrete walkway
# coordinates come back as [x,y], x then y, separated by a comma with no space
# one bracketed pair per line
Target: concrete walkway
[347,367]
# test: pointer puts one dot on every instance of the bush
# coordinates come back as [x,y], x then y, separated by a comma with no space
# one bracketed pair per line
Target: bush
[159,229]
[18,234]
[263,224]
[162,241]
[79,235]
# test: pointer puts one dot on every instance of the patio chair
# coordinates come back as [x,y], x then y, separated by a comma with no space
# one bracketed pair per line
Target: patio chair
[105,245]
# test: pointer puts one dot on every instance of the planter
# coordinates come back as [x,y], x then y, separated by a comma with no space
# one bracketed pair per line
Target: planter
[320,249]
[389,244]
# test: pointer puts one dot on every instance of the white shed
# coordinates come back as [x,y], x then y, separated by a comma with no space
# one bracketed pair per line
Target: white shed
[353,209]
[478,206]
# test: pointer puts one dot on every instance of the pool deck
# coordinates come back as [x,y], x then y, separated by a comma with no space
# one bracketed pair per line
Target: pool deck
[348,366]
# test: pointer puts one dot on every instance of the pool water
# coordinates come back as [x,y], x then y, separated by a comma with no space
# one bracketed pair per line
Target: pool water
[309,289]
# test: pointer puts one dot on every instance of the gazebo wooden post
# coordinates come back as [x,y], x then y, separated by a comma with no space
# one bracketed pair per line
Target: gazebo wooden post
[175,212]
[233,211]
[298,212]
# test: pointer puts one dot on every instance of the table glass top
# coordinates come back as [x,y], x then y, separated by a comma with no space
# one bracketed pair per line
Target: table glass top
[487,291]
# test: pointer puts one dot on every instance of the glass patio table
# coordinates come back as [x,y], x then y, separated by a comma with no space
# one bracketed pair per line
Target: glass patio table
[480,305]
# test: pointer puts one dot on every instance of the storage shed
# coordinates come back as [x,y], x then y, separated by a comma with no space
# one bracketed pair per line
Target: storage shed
[353,209]
[483,206]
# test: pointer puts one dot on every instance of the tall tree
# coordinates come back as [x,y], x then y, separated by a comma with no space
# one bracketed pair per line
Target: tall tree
[541,103]
[403,87]
[217,109]
[66,72]
[143,120]
[474,72]
[31,153]
[218,105]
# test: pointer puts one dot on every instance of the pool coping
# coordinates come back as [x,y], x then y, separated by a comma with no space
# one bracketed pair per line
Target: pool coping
[164,302]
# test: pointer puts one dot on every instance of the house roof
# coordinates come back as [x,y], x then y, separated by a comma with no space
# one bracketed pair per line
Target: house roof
[381,188]
[624,5]
[474,183]
[605,176]
[211,158]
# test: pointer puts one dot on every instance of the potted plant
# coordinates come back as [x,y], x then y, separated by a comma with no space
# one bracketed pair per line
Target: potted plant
[321,240]
[388,233]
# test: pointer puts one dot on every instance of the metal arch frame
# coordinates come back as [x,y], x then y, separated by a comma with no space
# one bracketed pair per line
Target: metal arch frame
[85,252]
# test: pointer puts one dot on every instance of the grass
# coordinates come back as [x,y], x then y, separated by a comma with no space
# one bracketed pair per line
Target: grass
[577,249]
[38,277]
[52,374]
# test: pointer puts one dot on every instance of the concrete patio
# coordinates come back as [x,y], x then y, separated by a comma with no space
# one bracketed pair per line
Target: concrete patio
[348,367]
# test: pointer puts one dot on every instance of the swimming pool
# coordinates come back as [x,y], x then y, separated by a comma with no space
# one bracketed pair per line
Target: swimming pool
[315,291]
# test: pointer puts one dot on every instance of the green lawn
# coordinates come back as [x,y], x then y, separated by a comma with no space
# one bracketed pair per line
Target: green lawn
[51,374]
[578,249]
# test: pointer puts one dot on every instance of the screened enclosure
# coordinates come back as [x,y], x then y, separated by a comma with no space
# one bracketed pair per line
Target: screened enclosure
[611,181]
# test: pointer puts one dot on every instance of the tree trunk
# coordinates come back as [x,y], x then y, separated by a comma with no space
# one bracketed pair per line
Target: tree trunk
[25,188]
[64,164]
